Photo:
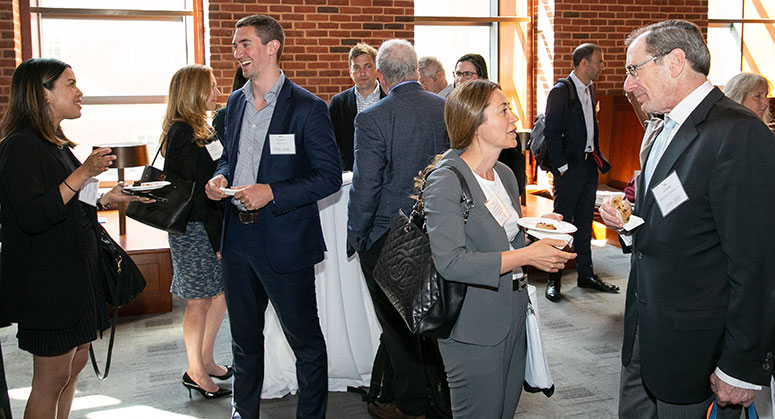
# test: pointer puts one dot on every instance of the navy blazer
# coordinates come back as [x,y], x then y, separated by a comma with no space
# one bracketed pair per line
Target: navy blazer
[290,225]
[43,279]
[701,291]
[394,139]
[343,108]
[571,148]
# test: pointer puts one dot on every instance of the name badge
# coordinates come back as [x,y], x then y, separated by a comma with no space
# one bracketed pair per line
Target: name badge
[88,193]
[670,194]
[498,210]
[282,143]
[215,149]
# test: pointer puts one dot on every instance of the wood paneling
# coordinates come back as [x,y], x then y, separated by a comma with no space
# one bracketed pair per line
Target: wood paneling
[620,138]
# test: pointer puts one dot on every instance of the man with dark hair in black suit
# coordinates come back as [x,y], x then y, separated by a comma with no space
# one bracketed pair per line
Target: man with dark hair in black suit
[575,157]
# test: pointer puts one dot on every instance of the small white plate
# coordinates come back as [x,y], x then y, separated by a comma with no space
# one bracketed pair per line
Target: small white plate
[230,191]
[561,226]
[147,186]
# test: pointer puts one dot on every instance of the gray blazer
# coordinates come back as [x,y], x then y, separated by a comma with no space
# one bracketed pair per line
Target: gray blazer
[394,139]
[471,252]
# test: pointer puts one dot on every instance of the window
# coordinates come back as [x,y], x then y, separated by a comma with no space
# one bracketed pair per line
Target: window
[496,30]
[741,37]
[123,53]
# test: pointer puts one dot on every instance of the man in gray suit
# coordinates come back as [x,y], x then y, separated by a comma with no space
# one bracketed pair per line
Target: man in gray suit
[394,139]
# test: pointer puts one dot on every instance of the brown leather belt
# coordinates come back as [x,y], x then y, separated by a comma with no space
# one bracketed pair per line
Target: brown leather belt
[519,283]
[245,217]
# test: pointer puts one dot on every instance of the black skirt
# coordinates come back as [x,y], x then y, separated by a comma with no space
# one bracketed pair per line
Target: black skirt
[53,342]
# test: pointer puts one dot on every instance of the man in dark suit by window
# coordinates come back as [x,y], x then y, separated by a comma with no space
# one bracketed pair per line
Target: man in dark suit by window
[573,150]
[345,105]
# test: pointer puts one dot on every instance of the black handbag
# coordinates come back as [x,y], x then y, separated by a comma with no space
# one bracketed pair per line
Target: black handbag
[428,303]
[122,282]
[173,202]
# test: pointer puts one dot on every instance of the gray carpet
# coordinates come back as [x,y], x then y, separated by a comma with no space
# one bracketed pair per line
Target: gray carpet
[582,334]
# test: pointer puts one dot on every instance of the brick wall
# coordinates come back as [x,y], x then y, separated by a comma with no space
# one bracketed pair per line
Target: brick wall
[10,47]
[564,24]
[319,34]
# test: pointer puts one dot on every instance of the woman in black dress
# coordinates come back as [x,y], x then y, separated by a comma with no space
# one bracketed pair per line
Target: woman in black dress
[191,151]
[49,277]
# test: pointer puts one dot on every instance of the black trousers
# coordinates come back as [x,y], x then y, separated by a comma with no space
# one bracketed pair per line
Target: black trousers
[402,346]
[574,198]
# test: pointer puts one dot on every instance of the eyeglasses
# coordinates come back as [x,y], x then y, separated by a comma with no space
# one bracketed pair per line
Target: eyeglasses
[632,70]
[465,75]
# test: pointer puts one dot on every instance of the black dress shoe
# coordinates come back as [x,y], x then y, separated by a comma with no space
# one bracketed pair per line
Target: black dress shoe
[227,375]
[553,289]
[192,385]
[595,282]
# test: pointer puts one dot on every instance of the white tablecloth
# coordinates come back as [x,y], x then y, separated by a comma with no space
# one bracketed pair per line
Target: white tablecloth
[346,313]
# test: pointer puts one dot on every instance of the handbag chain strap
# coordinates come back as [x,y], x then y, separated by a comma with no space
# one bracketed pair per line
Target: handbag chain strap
[418,209]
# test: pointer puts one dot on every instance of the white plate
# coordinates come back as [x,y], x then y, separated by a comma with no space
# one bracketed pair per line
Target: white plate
[147,186]
[230,191]
[562,226]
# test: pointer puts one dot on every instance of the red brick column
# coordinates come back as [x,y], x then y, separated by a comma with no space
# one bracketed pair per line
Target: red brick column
[10,47]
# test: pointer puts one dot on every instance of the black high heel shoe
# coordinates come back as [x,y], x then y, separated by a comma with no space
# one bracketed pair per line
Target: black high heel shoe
[189,384]
[227,375]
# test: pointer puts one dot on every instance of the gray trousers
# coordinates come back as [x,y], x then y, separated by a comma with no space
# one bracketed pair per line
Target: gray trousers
[486,381]
[637,402]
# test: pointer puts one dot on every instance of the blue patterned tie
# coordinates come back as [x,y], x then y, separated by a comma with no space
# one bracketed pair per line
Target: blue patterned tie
[657,149]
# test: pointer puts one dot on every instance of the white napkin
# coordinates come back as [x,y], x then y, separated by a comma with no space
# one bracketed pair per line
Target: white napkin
[546,235]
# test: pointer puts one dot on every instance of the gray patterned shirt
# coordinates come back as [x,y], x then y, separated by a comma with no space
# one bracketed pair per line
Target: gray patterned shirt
[362,102]
[255,125]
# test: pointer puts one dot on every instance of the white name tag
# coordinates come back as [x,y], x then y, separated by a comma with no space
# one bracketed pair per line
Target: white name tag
[88,193]
[498,210]
[215,149]
[282,143]
[670,194]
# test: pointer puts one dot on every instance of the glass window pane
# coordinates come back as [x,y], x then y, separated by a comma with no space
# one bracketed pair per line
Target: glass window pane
[119,4]
[479,8]
[724,45]
[759,9]
[725,9]
[115,124]
[111,57]
[458,40]
[758,47]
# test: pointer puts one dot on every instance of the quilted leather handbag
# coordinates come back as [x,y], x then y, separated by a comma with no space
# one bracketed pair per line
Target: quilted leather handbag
[428,303]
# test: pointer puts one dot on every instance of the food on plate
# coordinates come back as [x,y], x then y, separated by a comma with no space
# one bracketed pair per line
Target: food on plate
[136,183]
[546,226]
[623,210]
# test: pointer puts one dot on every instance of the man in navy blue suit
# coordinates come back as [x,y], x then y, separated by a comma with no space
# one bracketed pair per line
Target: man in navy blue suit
[280,156]
[575,158]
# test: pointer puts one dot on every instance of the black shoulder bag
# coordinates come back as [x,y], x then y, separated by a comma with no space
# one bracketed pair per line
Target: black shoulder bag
[428,303]
[122,282]
[173,202]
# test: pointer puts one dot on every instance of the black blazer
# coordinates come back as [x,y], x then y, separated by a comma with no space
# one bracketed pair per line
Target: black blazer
[701,290]
[192,162]
[43,277]
[569,149]
[343,108]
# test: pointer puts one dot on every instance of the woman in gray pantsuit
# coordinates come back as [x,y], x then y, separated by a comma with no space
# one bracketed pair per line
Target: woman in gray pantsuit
[485,355]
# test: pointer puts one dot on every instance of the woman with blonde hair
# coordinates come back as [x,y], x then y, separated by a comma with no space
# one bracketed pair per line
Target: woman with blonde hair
[750,90]
[484,356]
[50,274]
[196,269]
